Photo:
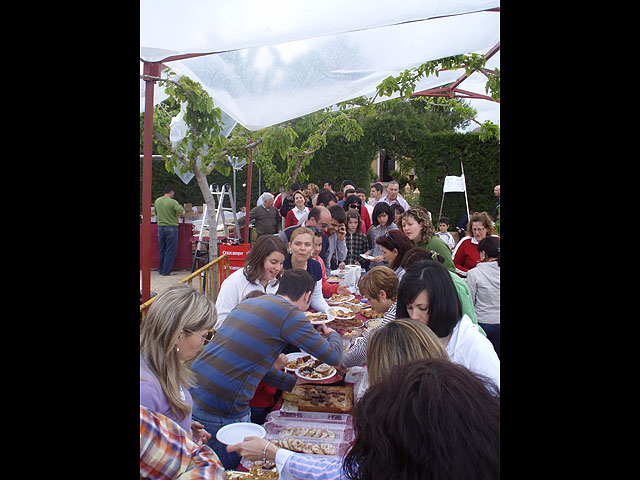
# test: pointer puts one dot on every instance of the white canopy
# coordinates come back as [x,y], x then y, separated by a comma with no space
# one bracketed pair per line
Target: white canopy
[281,59]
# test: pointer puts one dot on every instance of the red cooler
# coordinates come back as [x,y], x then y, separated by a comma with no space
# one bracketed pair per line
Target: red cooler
[236,253]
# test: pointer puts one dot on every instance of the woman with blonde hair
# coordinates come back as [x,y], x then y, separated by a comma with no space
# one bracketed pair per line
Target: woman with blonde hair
[301,245]
[175,329]
[416,224]
[400,342]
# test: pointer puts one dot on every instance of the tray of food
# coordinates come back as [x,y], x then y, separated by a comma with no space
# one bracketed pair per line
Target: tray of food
[321,398]
[310,446]
[289,412]
[371,313]
[308,429]
[317,318]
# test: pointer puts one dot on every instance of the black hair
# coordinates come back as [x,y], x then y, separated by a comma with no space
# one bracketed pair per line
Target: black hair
[349,200]
[382,207]
[337,213]
[325,196]
[168,189]
[377,186]
[445,309]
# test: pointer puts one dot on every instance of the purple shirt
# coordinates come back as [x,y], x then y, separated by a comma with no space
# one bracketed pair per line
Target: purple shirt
[152,396]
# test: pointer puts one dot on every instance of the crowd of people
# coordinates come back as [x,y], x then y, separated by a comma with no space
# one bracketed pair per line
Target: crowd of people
[434,358]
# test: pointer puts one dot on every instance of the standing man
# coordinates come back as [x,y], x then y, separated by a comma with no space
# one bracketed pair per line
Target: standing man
[336,232]
[496,192]
[245,348]
[392,195]
[167,210]
[266,216]
[376,194]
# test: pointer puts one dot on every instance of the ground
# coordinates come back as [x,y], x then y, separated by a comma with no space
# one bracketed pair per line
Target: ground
[160,283]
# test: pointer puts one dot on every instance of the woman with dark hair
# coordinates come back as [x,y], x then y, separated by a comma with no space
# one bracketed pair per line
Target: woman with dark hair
[439,422]
[394,245]
[354,203]
[484,285]
[382,223]
[427,293]
[417,254]
[261,271]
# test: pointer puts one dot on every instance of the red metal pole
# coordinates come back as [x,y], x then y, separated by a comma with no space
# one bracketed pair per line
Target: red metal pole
[150,70]
[248,203]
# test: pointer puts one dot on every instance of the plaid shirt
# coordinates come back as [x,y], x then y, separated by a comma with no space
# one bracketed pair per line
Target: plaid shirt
[166,451]
[357,243]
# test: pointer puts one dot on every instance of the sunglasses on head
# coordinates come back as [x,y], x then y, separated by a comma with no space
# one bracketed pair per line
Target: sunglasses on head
[386,235]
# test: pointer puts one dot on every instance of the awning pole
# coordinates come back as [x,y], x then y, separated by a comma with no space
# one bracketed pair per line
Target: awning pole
[150,70]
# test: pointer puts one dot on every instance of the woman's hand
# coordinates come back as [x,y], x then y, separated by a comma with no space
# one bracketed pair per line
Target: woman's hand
[198,434]
[252,448]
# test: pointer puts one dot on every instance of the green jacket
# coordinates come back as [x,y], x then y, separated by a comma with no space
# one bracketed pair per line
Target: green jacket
[437,244]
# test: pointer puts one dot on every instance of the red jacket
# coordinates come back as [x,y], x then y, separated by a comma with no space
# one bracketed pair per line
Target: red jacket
[466,255]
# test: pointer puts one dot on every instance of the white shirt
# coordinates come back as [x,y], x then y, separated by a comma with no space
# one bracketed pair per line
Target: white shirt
[403,203]
[233,290]
[484,285]
[469,348]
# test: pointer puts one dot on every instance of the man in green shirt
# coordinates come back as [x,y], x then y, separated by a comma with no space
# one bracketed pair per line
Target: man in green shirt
[167,210]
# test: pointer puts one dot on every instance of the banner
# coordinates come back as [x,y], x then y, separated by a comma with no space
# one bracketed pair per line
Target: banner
[454,184]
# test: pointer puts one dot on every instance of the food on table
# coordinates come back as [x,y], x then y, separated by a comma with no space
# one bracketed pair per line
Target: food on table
[297,445]
[373,324]
[350,332]
[321,398]
[299,362]
[337,298]
[333,279]
[341,313]
[311,432]
[352,322]
[258,471]
[371,313]
[350,306]
[316,316]
[316,370]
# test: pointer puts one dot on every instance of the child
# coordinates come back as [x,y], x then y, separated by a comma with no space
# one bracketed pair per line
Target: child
[357,242]
[383,221]
[328,289]
[443,226]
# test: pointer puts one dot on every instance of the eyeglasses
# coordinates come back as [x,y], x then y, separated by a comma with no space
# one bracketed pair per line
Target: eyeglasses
[207,338]
[386,235]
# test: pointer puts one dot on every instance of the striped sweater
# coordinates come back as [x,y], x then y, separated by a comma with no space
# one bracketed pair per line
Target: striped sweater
[244,349]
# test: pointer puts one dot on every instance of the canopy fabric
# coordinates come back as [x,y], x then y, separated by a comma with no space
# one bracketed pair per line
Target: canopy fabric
[281,59]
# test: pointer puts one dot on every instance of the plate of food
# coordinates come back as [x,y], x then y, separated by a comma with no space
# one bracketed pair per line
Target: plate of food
[317,318]
[297,360]
[338,298]
[333,279]
[235,432]
[367,257]
[316,370]
[341,313]
[373,323]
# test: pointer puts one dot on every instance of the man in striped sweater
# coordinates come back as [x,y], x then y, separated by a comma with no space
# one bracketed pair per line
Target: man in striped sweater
[244,349]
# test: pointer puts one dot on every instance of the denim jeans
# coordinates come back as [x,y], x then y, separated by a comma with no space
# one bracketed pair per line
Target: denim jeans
[213,423]
[167,249]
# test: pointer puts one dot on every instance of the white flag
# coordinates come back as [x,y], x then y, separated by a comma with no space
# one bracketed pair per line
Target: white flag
[454,184]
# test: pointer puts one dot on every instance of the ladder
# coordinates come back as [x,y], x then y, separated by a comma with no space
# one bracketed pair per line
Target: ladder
[218,197]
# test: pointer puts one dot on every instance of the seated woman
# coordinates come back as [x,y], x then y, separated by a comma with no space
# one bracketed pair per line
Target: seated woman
[427,294]
[174,330]
[261,271]
[394,245]
[380,287]
[301,246]
[440,421]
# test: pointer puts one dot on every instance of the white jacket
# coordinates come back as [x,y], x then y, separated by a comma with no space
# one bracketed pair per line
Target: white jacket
[469,348]
[484,285]
[233,290]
